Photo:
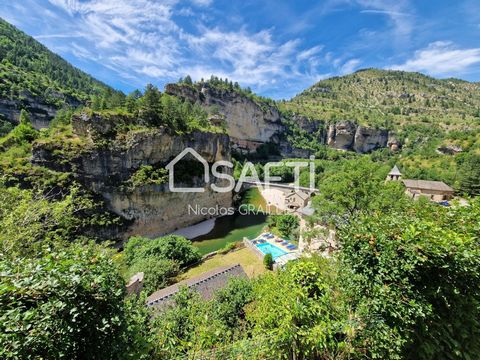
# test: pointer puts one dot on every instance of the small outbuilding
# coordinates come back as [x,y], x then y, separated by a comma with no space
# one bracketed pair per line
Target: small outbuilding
[394,174]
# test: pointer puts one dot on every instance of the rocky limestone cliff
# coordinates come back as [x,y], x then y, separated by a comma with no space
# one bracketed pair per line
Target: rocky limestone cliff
[249,123]
[152,209]
[346,135]
[40,112]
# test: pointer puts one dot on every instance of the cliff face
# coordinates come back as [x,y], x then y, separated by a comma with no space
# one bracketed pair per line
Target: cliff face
[152,209]
[40,113]
[249,123]
[346,135]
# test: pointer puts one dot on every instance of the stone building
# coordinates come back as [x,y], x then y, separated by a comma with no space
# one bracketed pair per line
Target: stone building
[295,200]
[434,190]
[206,284]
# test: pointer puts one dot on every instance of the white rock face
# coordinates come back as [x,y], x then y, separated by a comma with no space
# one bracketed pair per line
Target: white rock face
[246,120]
[155,213]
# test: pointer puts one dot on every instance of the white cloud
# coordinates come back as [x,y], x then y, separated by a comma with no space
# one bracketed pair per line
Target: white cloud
[398,11]
[350,66]
[441,58]
[202,2]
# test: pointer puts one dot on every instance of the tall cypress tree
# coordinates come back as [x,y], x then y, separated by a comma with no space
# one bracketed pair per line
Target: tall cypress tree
[469,173]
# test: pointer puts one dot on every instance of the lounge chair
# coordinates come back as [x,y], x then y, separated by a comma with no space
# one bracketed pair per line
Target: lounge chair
[291,247]
[284,243]
[278,240]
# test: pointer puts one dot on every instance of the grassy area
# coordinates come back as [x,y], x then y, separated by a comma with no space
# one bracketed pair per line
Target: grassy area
[251,264]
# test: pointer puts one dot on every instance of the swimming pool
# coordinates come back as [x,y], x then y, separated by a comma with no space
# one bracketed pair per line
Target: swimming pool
[268,248]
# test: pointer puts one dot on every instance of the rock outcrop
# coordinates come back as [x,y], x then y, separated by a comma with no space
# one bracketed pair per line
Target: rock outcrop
[40,112]
[449,149]
[346,135]
[152,209]
[249,123]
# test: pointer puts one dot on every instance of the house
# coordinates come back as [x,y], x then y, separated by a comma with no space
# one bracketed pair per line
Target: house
[206,284]
[434,190]
[295,200]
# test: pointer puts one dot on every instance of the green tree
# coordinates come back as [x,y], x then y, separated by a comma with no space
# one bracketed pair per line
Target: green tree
[297,313]
[469,174]
[268,261]
[158,272]
[285,224]
[357,187]
[68,304]
[151,108]
[24,118]
[171,247]
[29,221]
[131,101]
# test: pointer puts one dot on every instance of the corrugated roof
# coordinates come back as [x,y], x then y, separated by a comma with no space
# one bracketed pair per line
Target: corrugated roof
[427,185]
[395,171]
[220,275]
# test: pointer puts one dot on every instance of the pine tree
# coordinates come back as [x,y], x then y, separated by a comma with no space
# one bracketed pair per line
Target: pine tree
[24,118]
[188,80]
[469,173]
[151,109]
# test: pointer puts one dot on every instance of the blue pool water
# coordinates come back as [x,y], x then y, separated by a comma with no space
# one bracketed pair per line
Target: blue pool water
[267,248]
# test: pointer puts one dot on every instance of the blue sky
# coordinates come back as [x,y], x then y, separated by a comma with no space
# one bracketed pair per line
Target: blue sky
[276,47]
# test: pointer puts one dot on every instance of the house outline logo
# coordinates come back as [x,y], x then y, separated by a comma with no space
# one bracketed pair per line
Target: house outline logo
[171,167]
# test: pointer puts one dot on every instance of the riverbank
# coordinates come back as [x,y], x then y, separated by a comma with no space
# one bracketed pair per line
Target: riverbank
[196,230]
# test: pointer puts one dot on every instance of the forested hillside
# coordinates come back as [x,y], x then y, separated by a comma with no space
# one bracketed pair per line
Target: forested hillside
[34,78]
[386,98]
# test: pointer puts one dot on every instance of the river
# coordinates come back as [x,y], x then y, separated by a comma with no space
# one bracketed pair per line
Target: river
[231,228]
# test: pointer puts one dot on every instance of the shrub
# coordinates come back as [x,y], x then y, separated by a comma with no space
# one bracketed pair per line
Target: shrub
[158,273]
[171,247]
[268,261]
[227,248]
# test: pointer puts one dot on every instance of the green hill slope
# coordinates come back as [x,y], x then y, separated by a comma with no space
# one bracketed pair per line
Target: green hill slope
[389,99]
[34,78]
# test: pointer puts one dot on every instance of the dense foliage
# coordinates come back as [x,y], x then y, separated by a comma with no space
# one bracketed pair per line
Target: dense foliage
[285,224]
[65,304]
[159,259]
[413,278]
[356,187]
